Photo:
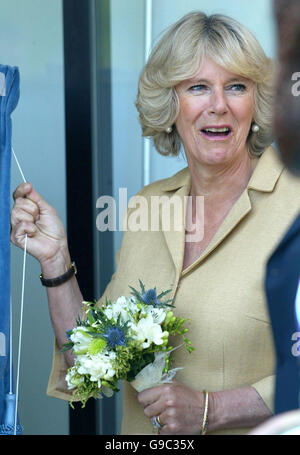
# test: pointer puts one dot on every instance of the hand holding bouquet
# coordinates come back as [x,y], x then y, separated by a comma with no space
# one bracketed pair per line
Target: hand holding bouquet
[123,340]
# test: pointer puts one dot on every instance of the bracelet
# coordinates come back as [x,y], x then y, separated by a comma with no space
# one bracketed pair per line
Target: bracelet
[205,414]
[52,282]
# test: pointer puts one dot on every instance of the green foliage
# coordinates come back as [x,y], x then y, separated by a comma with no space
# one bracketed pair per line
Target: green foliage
[174,326]
[141,361]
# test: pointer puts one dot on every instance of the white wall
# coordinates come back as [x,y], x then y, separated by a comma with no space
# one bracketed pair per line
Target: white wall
[127,59]
[31,38]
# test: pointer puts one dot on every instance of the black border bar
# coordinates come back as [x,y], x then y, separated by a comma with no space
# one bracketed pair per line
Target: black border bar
[79,186]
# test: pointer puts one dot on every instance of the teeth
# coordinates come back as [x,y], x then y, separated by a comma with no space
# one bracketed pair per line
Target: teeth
[217,130]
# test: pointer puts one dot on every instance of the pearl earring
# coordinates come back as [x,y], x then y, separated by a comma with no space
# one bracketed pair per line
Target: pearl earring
[169,130]
[255,128]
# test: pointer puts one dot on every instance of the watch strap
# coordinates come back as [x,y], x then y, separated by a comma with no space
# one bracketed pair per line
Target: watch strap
[53,282]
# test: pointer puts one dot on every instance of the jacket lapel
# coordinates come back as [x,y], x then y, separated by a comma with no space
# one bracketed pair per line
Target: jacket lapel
[238,212]
[175,235]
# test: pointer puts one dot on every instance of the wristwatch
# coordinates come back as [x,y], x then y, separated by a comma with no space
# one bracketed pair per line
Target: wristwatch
[52,282]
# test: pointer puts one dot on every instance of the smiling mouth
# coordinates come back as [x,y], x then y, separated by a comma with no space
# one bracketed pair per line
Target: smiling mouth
[216,133]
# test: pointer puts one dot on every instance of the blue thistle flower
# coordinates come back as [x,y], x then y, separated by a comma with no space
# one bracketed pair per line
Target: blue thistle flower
[114,333]
[150,297]
[115,336]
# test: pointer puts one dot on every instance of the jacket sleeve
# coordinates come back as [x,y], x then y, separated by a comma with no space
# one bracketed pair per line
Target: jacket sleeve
[57,386]
[265,388]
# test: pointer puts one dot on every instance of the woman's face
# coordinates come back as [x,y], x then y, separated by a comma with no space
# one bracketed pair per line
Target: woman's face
[216,112]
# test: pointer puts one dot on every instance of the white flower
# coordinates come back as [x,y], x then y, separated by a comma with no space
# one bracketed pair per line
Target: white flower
[131,304]
[148,332]
[98,366]
[158,314]
[73,379]
[122,301]
[81,340]
[121,308]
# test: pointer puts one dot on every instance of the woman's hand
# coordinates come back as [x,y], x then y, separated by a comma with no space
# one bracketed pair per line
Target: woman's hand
[33,216]
[180,409]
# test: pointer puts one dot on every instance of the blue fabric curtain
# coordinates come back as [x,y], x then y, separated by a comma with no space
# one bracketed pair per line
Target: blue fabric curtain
[9,96]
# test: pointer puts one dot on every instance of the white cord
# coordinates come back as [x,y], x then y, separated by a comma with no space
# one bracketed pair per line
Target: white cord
[21,312]
[10,350]
[20,336]
[18,164]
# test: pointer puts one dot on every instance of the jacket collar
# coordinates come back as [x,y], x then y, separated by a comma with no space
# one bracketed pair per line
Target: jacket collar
[264,177]
[267,171]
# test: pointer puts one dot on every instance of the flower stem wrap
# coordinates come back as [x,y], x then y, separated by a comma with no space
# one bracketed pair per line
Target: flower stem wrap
[153,374]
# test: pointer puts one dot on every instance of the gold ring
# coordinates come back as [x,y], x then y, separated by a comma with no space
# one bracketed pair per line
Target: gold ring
[156,422]
[159,422]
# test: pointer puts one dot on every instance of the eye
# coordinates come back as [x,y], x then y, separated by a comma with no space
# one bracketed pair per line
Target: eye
[198,88]
[237,88]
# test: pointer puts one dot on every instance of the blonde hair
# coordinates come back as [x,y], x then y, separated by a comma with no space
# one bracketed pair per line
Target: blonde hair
[177,57]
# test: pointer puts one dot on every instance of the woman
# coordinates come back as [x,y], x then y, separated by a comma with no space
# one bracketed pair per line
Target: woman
[207,86]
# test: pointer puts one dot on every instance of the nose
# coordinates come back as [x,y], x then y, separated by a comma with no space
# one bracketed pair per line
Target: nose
[218,102]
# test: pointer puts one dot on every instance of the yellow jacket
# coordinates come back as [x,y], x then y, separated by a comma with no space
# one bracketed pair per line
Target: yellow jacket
[222,293]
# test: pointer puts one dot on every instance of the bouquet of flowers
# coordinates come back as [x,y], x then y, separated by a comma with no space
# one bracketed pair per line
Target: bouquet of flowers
[126,339]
